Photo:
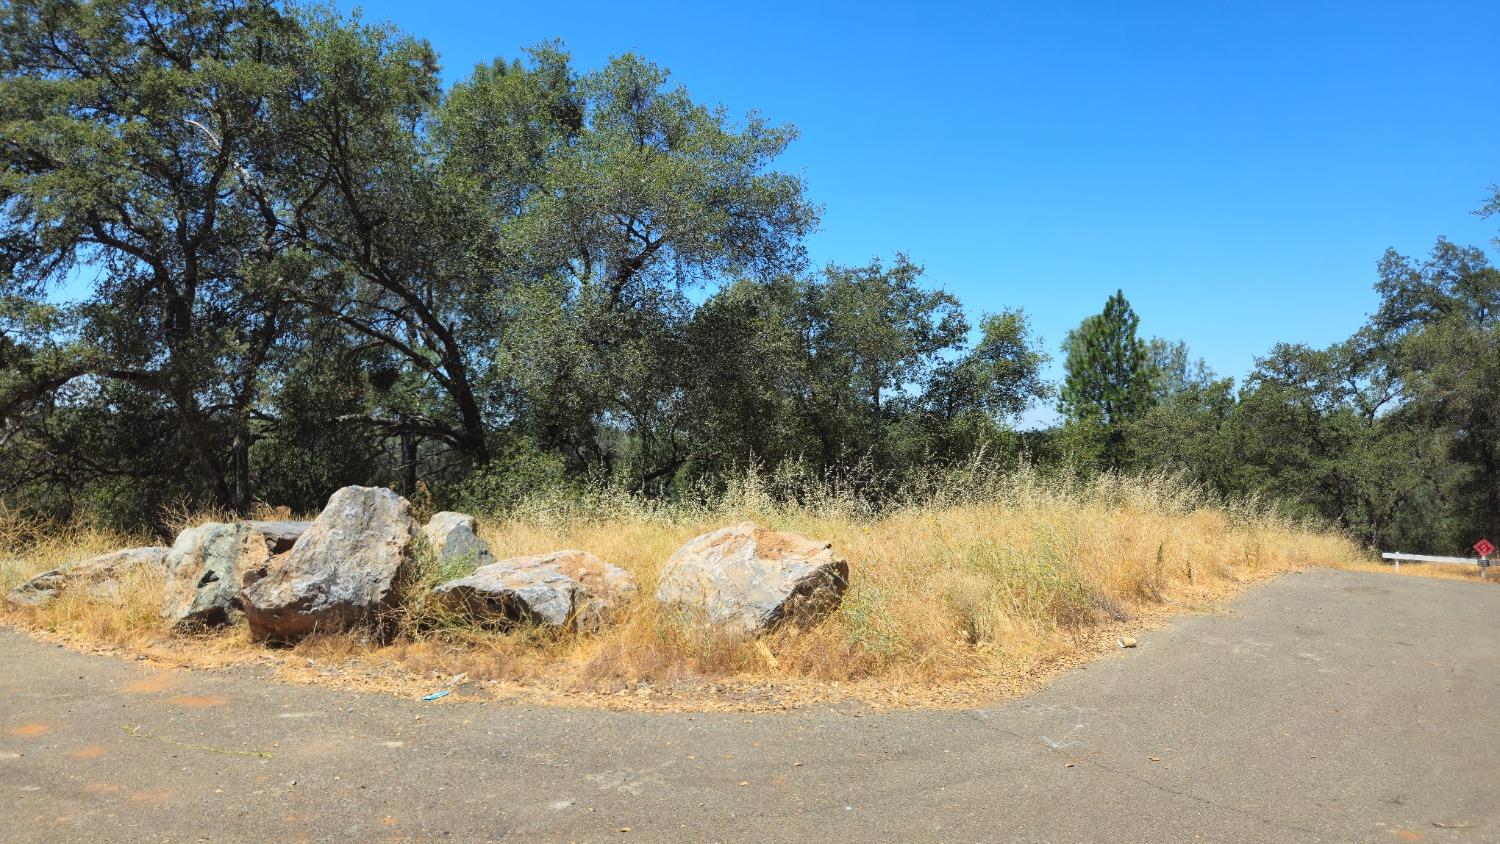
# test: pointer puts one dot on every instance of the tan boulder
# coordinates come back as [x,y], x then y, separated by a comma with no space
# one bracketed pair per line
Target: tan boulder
[560,589]
[751,579]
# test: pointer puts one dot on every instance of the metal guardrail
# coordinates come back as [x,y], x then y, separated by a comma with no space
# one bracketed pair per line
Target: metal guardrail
[1428,558]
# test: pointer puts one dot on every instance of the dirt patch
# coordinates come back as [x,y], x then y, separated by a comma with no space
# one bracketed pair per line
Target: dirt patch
[29,730]
[158,682]
[91,751]
[198,701]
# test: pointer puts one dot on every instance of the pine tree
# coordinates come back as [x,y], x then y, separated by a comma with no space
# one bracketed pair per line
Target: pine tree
[1110,379]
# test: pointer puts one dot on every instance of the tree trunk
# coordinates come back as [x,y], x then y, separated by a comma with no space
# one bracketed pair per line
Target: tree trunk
[243,491]
[408,463]
[472,441]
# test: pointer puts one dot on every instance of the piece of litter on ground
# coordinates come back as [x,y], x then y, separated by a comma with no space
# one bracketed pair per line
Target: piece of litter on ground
[1154,758]
[1126,641]
[1454,824]
[436,695]
[135,732]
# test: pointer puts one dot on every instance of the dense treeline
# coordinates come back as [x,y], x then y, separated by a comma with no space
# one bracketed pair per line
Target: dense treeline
[1393,434]
[254,252]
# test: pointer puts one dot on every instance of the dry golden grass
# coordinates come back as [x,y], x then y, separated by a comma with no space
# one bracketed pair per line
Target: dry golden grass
[1440,571]
[977,589]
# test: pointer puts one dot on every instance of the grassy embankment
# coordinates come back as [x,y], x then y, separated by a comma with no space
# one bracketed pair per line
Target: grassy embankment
[975,588]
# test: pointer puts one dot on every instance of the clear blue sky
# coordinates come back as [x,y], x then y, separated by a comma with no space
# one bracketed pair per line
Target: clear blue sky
[1236,168]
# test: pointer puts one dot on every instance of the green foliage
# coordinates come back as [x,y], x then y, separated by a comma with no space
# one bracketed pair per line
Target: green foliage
[1190,429]
[123,128]
[1324,427]
[520,473]
[299,263]
[1391,434]
[854,365]
[1111,380]
[1439,329]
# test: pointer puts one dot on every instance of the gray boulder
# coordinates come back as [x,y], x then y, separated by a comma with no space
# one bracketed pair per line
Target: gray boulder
[561,589]
[338,573]
[99,575]
[750,579]
[209,563]
[454,537]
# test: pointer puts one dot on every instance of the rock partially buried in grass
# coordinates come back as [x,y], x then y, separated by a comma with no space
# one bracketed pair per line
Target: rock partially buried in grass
[208,563]
[453,538]
[752,579]
[338,573]
[559,589]
[99,575]
[509,594]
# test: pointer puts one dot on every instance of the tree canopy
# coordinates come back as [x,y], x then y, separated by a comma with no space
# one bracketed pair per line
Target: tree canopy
[255,251]
[1111,379]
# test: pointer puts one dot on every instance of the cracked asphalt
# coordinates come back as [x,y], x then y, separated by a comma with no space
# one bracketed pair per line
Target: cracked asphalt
[1324,706]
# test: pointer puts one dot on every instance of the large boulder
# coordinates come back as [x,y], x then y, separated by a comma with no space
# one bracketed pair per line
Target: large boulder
[750,579]
[454,538]
[209,563]
[338,573]
[561,589]
[100,575]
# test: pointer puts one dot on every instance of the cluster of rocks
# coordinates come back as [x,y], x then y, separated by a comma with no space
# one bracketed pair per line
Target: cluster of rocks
[291,578]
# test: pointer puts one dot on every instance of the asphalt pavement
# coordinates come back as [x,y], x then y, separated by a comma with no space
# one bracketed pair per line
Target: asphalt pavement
[1323,707]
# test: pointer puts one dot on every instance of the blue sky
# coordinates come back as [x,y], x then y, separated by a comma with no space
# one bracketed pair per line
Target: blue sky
[1236,168]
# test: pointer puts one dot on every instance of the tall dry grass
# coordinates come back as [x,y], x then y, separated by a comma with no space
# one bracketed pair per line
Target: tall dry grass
[973,576]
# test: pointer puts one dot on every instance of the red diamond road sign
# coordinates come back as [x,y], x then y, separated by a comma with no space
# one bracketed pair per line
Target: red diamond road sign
[1484,547]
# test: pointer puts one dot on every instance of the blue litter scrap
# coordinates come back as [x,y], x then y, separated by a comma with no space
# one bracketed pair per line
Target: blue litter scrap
[436,695]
